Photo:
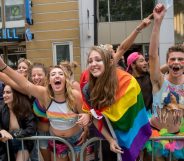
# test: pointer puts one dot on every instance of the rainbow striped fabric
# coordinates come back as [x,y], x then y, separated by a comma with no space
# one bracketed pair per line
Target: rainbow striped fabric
[127,115]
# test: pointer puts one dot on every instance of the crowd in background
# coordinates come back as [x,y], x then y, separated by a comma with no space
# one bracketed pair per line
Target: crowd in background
[139,98]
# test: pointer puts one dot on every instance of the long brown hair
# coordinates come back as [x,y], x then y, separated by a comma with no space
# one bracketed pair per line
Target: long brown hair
[68,88]
[103,88]
[21,105]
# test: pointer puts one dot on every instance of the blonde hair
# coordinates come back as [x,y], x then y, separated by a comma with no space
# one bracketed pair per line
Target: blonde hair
[70,67]
[26,61]
[70,99]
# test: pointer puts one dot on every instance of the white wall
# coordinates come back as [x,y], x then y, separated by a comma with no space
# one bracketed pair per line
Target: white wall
[86,29]
[116,32]
[166,34]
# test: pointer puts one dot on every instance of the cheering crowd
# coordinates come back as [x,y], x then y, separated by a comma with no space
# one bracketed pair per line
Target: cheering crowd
[139,98]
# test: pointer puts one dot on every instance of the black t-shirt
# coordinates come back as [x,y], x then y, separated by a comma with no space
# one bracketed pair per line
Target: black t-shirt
[146,88]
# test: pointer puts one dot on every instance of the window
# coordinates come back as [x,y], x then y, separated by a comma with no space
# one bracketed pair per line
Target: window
[13,59]
[62,51]
[121,10]
[13,54]
[147,7]
[125,10]
[103,11]
[179,21]
[14,13]
[14,10]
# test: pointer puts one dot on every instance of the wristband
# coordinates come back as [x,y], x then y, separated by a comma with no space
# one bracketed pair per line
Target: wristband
[138,30]
[3,68]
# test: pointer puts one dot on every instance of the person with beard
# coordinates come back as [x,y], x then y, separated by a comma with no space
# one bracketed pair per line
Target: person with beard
[138,67]
[168,93]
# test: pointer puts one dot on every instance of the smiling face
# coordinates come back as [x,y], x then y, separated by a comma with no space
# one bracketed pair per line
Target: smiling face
[176,64]
[141,66]
[8,95]
[95,64]
[23,69]
[57,80]
[38,76]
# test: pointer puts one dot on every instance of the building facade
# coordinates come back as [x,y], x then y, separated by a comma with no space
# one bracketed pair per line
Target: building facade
[12,30]
[55,26]
[111,21]
[56,32]
[66,29]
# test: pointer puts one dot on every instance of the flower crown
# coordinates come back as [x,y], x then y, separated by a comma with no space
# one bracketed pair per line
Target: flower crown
[104,47]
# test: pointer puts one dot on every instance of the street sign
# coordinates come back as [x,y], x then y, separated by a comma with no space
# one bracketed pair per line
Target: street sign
[28,9]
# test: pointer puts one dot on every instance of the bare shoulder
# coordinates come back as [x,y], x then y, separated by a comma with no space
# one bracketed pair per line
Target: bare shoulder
[76,94]
[78,100]
[76,85]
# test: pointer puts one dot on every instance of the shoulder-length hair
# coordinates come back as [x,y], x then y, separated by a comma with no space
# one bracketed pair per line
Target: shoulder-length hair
[68,89]
[103,88]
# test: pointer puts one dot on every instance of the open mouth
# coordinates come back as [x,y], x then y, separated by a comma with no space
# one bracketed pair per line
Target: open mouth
[175,69]
[57,82]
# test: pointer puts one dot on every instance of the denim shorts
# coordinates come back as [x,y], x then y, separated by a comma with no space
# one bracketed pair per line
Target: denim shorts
[43,144]
[62,150]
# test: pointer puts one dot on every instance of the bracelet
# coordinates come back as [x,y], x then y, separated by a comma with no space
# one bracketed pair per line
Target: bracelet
[3,68]
[138,30]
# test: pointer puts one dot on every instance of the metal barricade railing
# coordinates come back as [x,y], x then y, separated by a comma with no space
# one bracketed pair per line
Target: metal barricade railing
[86,144]
[37,138]
[168,138]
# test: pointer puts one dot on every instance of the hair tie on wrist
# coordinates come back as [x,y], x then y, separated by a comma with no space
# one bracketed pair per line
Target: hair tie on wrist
[138,30]
[3,68]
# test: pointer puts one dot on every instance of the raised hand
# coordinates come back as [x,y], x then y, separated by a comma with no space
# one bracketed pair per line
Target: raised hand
[159,12]
[2,64]
[145,22]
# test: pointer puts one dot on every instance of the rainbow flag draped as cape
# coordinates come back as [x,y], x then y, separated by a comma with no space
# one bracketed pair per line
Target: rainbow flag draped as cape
[127,115]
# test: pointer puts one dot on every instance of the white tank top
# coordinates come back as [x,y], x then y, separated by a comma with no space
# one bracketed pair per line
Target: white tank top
[61,117]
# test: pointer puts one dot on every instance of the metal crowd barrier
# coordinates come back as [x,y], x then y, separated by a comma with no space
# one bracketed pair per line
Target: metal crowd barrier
[37,138]
[169,138]
[86,144]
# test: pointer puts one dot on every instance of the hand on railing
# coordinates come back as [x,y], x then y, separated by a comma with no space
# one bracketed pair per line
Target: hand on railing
[5,136]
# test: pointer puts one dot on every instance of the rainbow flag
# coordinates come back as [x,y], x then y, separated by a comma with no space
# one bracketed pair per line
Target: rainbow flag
[127,115]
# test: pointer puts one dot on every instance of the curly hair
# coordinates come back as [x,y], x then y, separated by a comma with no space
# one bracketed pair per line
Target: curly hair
[103,88]
[70,99]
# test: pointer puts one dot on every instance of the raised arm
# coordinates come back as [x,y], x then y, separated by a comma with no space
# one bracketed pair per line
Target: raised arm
[37,91]
[125,44]
[155,73]
[7,80]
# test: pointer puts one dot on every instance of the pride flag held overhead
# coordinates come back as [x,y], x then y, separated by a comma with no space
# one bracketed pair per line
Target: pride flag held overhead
[127,115]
